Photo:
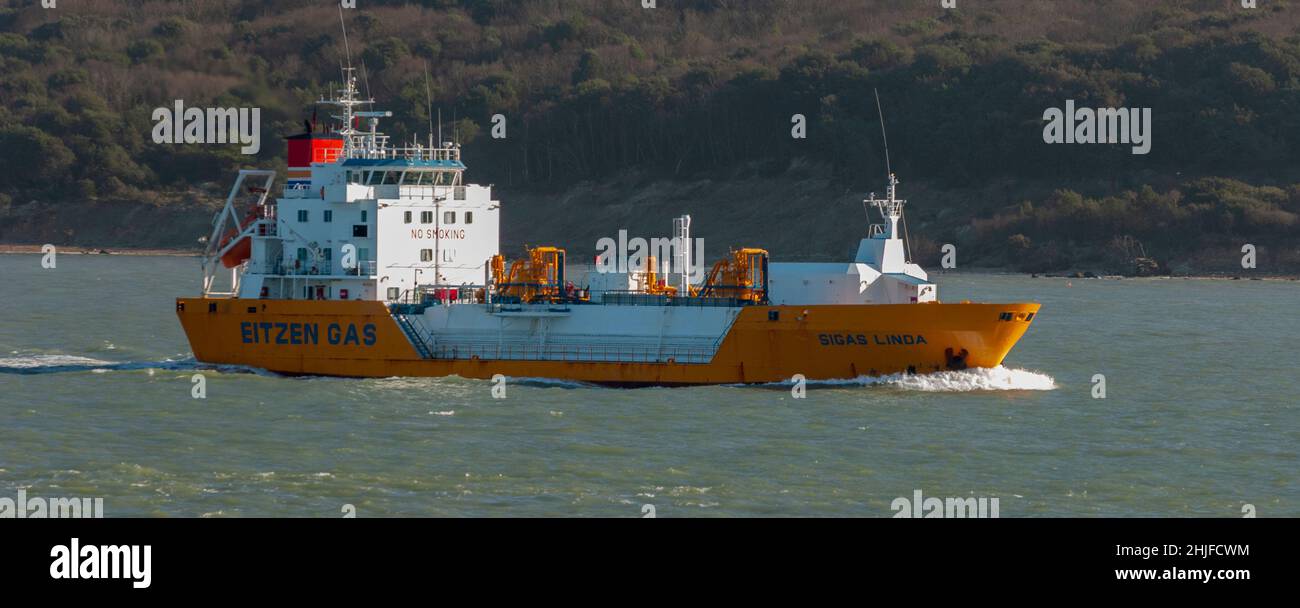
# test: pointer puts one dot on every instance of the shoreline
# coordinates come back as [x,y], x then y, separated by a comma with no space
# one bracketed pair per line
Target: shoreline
[1086,275]
[85,250]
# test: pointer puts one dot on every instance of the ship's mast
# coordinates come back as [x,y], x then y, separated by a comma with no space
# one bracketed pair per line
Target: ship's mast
[891,209]
[347,100]
[357,143]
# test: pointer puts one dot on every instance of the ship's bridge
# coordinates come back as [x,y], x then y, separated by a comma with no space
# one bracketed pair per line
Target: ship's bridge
[400,177]
[379,173]
[442,169]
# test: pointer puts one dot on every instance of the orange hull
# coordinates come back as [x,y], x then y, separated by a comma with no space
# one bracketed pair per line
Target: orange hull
[821,342]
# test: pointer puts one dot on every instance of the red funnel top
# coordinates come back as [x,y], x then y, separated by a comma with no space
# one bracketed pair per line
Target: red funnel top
[308,148]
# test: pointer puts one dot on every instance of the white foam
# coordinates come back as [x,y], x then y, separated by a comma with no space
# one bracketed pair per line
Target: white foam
[56,363]
[38,361]
[977,379]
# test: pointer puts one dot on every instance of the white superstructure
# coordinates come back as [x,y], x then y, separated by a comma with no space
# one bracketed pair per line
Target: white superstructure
[321,239]
[880,273]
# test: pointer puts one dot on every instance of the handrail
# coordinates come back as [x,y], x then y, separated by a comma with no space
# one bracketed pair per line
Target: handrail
[426,295]
[382,151]
[417,340]
[638,298]
[364,268]
[612,353]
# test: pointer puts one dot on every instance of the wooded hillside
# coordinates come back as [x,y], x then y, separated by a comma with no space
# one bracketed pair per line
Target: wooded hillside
[595,91]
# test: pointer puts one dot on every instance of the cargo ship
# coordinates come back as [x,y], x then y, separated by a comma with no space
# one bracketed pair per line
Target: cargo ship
[378,260]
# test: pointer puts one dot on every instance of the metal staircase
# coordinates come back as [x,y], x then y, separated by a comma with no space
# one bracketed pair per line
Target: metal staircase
[411,332]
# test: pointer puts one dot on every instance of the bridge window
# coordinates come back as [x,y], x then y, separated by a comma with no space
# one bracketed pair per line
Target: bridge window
[449,217]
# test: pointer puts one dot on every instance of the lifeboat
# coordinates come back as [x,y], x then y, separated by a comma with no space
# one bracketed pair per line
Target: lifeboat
[243,249]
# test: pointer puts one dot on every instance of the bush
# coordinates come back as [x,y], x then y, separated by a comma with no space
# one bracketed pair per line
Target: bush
[142,50]
[32,158]
[589,67]
[172,28]
[879,54]
[384,54]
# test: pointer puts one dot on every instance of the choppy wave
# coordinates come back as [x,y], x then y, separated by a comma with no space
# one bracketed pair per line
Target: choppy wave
[552,383]
[55,364]
[978,379]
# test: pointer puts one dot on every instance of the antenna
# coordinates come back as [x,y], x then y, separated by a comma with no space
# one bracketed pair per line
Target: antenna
[895,205]
[346,50]
[883,135]
[365,77]
[428,97]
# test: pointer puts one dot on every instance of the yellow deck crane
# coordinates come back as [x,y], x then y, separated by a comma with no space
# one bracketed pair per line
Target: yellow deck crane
[742,276]
[536,278]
